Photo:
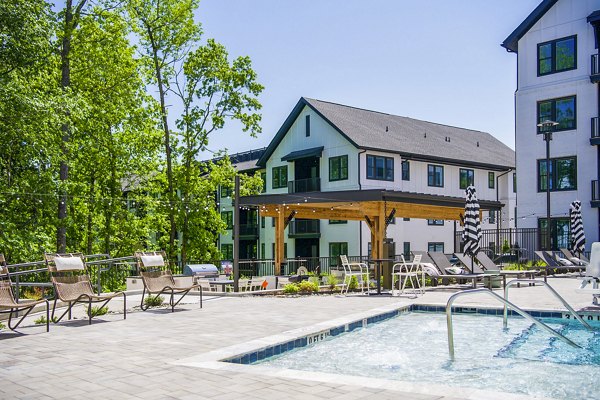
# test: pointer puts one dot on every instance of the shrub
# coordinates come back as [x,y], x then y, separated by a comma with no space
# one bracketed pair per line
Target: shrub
[2,326]
[153,301]
[353,285]
[42,320]
[291,288]
[331,281]
[96,311]
[308,287]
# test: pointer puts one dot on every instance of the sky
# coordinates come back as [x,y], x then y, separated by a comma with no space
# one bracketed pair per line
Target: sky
[434,60]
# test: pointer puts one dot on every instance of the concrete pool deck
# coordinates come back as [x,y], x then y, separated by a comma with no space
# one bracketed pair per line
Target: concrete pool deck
[162,355]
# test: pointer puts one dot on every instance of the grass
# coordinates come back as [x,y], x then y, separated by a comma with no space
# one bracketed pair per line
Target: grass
[153,301]
[42,320]
[96,311]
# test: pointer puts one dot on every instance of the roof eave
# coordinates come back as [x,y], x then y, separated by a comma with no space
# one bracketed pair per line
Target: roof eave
[511,43]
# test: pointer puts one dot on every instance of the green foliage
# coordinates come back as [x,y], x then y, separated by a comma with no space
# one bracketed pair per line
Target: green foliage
[291,288]
[154,301]
[512,267]
[505,246]
[2,326]
[97,311]
[42,320]
[308,287]
[353,285]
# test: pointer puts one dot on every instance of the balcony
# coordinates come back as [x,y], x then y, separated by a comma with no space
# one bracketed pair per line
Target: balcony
[595,194]
[595,75]
[304,185]
[248,231]
[309,229]
[595,134]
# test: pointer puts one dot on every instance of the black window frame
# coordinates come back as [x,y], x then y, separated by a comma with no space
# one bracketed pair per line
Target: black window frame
[554,176]
[552,43]
[337,162]
[372,169]
[226,191]
[279,170]
[227,217]
[492,216]
[491,180]
[431,173]
[514,182]
[307,122]
[336,257]
[228,252]
[553,114]
[406,249]
[432,246]
[435,222]
[405,170]
[470,182]
[263,176]
[337,221]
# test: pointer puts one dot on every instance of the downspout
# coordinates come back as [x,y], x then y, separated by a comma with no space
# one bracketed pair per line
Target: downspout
[360,253]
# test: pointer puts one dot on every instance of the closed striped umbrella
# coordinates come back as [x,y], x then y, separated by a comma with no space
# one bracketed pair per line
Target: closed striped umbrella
[577,234]
[472,233]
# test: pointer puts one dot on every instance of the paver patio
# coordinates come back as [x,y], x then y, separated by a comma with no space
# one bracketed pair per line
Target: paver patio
[136,358]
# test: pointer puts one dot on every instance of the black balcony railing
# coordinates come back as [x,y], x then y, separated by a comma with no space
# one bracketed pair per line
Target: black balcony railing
[304,185]
[595,75]
[305,228]
[247,230]
[595,131]
[595,193]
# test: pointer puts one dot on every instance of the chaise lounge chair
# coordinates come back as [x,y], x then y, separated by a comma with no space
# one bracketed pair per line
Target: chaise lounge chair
[158,279]
[554,265]
[489,265]
[581,260]
[476,271]
[72,284]
[10,306]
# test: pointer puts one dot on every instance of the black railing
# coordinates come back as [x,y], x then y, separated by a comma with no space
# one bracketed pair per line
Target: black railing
[595,75]
[304,185]
[596,190]
[304,228]
[507,245]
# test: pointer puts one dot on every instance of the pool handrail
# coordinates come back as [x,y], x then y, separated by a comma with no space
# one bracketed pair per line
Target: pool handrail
[515,282]
[504,301]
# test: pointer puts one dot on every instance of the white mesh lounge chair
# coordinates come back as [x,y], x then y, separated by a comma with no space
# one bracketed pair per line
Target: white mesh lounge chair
[355,269]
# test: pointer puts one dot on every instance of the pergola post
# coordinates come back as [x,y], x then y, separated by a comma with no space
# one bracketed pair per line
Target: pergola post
[279,240]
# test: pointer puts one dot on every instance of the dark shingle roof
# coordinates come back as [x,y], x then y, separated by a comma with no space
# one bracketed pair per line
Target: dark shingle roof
[412,138]
[511,43]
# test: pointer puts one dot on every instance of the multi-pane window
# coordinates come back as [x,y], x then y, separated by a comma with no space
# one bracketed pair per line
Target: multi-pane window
[467,178]
[559,232]
[405,171]
[227,251]
[557,56]
[380,168]
[562,173]
[562,110]
[226,191]
[337,249]
[492,217]
[338,168]
[491,180]
[227,217]
[435,222]
[435,246]
[280,176]
[435,175]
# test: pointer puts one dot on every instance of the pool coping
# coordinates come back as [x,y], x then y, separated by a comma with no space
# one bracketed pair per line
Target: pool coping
[240,357]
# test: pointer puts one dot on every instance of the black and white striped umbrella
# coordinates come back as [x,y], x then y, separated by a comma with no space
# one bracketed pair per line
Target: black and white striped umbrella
[577,234]
[472,232]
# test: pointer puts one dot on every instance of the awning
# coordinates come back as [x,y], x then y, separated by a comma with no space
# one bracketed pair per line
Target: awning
[296,155]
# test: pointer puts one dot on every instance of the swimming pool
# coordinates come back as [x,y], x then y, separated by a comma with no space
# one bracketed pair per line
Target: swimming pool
[413,347]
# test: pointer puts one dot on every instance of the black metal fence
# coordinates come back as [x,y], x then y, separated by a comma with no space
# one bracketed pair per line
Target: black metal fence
[507,245]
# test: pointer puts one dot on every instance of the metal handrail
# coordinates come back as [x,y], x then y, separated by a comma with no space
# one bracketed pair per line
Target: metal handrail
[505,302]
[515,282]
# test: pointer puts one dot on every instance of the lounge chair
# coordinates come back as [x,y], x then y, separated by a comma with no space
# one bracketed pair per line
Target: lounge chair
[553,264]
[355,269]
[489,265]
[409,271]
[10,306]
[581,260]
[158,279]
[478,271]
[592,274]
[72,284]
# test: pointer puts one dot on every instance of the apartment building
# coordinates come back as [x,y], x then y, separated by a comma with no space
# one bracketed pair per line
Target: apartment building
[557,80]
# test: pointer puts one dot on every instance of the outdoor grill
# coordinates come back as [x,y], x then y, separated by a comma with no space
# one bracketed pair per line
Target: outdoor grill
[201,270]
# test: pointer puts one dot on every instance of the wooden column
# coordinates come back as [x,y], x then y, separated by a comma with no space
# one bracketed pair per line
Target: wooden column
[279,240]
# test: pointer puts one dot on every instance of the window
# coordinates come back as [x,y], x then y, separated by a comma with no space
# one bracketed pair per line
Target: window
[435,222]
[467,178]
[263,176]
[380,168]
[515,182]
[491,180]
[557,56]
[435,246]
[273,222]
[338,168]
[307,118]
[559,231]
[227,251]
[337,249]
[492,217]
[337,221]
[226,191]
[563,174]
[561,110]
[405,171]
[262,222]
[406,251]
[405,219]
[280,177]
[227,217]
[435,175]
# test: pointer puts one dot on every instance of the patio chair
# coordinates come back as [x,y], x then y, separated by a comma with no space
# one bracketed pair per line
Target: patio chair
[592,274]
[205,285]
[158,279]
[358,270]
[554,264]
[409,271]
[72,285]
[9,305]
[581,260]
[477,270]
[489,265]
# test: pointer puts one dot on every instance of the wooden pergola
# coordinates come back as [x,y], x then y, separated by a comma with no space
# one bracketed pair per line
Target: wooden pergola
[375,207]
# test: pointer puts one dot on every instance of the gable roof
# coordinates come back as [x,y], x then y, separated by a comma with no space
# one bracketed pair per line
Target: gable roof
[511,43]
[411,138]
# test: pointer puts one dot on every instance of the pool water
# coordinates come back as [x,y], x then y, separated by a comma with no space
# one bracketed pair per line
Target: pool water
[414,347]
